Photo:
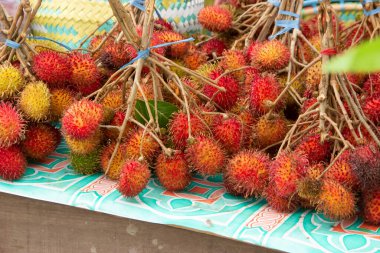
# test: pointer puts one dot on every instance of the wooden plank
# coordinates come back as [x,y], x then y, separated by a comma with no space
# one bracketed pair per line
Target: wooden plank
[34,226]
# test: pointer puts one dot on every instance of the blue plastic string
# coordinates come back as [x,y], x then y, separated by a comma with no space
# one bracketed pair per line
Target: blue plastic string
[139,4]
[371,12]
[47,39]
[12,44]
[158,13]
[287,25]
[143,54]
[275,3]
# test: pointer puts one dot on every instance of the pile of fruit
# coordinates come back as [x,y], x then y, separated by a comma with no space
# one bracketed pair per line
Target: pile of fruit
[210,106]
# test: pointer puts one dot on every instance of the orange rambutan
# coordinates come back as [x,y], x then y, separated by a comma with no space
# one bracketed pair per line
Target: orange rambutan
[194,59]
[205,156]
[176,50]
[84,146]
[118,161]
[172,171]
[269,131]
[61,99]
[285,172]
[313,76]
[141,144]
[232,60]
[248,172]
[270,55]
[341,172]
[335,201]
[213,47]
[215,18]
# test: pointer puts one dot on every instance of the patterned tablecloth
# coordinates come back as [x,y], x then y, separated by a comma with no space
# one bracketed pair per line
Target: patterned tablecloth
[204,206]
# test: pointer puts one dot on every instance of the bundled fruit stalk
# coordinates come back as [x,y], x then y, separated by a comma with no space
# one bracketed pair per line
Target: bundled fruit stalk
[25,103]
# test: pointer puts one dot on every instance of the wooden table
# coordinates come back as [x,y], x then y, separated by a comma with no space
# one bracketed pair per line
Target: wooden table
[34,226]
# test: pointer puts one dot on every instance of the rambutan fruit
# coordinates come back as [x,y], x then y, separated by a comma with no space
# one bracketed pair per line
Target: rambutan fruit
[215,18]
[270,55]
[176,50]
[277,202]
[117,163]
[116,54]
[264,91]
[358,79]
[356,36]
[248,172]
[12,125]
[133,179]
[250,76]
[229,187]
[179,129]
[269,131]
[85,164]
[371,109]
[229,133]
[307,104]
[309,187]
[341,172]
[13,163]
[113,100]
[117,120]
[365,162]
[232,60]
[147,90]
[372,85]
[312,147]
[85,76]
[371,206]
[61,99]
[173,172]
[35,101]
[95,43]
[53,68]
[84,146]
[298,85]
[11,81]
[213,47]
[205,156]
[225,99]
[194,59]
[335,201]
[139,144]
[82,119]
[286,170]
[308,53]
[162,25]
[313,76]
[40,141]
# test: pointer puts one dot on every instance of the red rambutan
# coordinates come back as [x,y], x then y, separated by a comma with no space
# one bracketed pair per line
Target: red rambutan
[53,68]
[371,109]
[116,54]
[371,206]
[248,172]
[229,133]
[13,163]
[162,25]
[264,91]
[215,18]
[312,147]
[205,156]
[82,119]
[278,202]
[372,85]
[173,172]
[40,141]
[12,125]
[342,172]
[117,120]
[213,46]
[225,99]
[133,178]
[179,129]
[85,76]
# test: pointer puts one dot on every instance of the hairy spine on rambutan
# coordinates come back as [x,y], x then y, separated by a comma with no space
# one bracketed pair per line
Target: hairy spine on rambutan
[225,99]
[229,132]
[215,18]
[12,125]
[133,179]
[13,163]
[270,55]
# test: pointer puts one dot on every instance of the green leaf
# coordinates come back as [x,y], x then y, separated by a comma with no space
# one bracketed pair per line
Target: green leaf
[364,58]
[164,112]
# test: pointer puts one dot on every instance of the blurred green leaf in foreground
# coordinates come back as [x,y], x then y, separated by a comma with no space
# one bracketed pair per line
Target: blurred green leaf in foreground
[364,58]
